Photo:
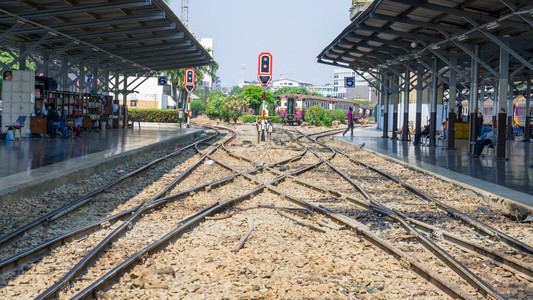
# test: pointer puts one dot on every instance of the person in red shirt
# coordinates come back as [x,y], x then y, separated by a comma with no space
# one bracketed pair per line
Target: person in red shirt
[350,122]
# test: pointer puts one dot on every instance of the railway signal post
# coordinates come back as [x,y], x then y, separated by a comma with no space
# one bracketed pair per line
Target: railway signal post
[264,75]
[190,84]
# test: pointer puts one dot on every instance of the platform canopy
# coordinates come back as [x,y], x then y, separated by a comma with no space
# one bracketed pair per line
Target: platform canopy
[392,34]
[137,36]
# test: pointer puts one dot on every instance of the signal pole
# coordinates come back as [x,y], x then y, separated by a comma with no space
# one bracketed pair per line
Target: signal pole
[264,74]
[190,84]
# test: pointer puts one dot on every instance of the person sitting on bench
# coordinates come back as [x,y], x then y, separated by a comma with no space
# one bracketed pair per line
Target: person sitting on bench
[489,138]
[420,134]
[52,118]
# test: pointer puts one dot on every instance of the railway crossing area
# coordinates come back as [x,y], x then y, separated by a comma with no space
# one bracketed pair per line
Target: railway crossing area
[303,213]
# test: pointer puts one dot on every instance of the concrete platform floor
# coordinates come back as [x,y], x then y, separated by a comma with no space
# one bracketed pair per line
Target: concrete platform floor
[511,178]
[25,162]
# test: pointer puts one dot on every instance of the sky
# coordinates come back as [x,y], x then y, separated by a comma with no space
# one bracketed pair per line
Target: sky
[293,31]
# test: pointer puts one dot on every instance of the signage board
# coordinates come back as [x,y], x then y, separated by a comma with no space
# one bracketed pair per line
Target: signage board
[264,70]
[190,76]
[349,82]
[162,80]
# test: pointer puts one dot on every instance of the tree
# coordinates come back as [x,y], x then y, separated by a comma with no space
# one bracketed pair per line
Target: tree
[235,90]
[255,94]
[216,108]
[235,106]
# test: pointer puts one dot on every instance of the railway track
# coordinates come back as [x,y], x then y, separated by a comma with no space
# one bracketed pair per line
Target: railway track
[297,186]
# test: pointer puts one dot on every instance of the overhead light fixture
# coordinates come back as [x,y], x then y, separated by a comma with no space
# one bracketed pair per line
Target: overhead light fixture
[414,44]
[493,25]
[462,37]
[435,46]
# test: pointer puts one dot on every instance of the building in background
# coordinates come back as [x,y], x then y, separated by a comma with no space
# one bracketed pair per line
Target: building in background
[324,90]
[147,94]
[361,90]
[208,83]
[287,82]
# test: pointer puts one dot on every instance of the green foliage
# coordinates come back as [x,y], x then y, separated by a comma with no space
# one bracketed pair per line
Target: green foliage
[255,94]
[314,115]
[155,115]
[235,91]
[197,106]
[253,118]
[339,115]
[327,119]
[215,108]
[235,106]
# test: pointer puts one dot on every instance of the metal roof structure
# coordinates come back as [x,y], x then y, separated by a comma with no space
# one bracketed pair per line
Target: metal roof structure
[392,34]
[137,36]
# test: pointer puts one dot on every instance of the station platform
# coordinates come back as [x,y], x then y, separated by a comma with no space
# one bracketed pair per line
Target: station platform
[27,165]
[511,178]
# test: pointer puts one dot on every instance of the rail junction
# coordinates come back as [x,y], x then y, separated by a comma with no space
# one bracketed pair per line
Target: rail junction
[315,211]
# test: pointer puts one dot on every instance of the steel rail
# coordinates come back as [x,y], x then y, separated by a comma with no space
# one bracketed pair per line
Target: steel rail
[445,257]
[430,275]
[91,256]
[20,231]
[413,264]
[98,249]
[126,264]
[76,233]
[480,226]
[505,260]
[499,257]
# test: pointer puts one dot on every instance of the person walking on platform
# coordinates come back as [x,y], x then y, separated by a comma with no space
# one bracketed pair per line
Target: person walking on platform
[488,138]
[350,122]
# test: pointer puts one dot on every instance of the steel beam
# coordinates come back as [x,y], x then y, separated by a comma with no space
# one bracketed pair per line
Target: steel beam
[26,52]
[502,44]
[91,24]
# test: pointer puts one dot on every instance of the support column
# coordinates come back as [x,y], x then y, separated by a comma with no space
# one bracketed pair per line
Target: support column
[81,77]
[433,97]
[395,99]
[386,98]
[510,104]
[473,99]
[482,102]
[22,60]
[502,100]
[452,95]
[94,83]
[495,104]
[125,102]
[46,71]
[380,101]
[117,88]
[405,129]
[419,95]
[527,112]
[64,77]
